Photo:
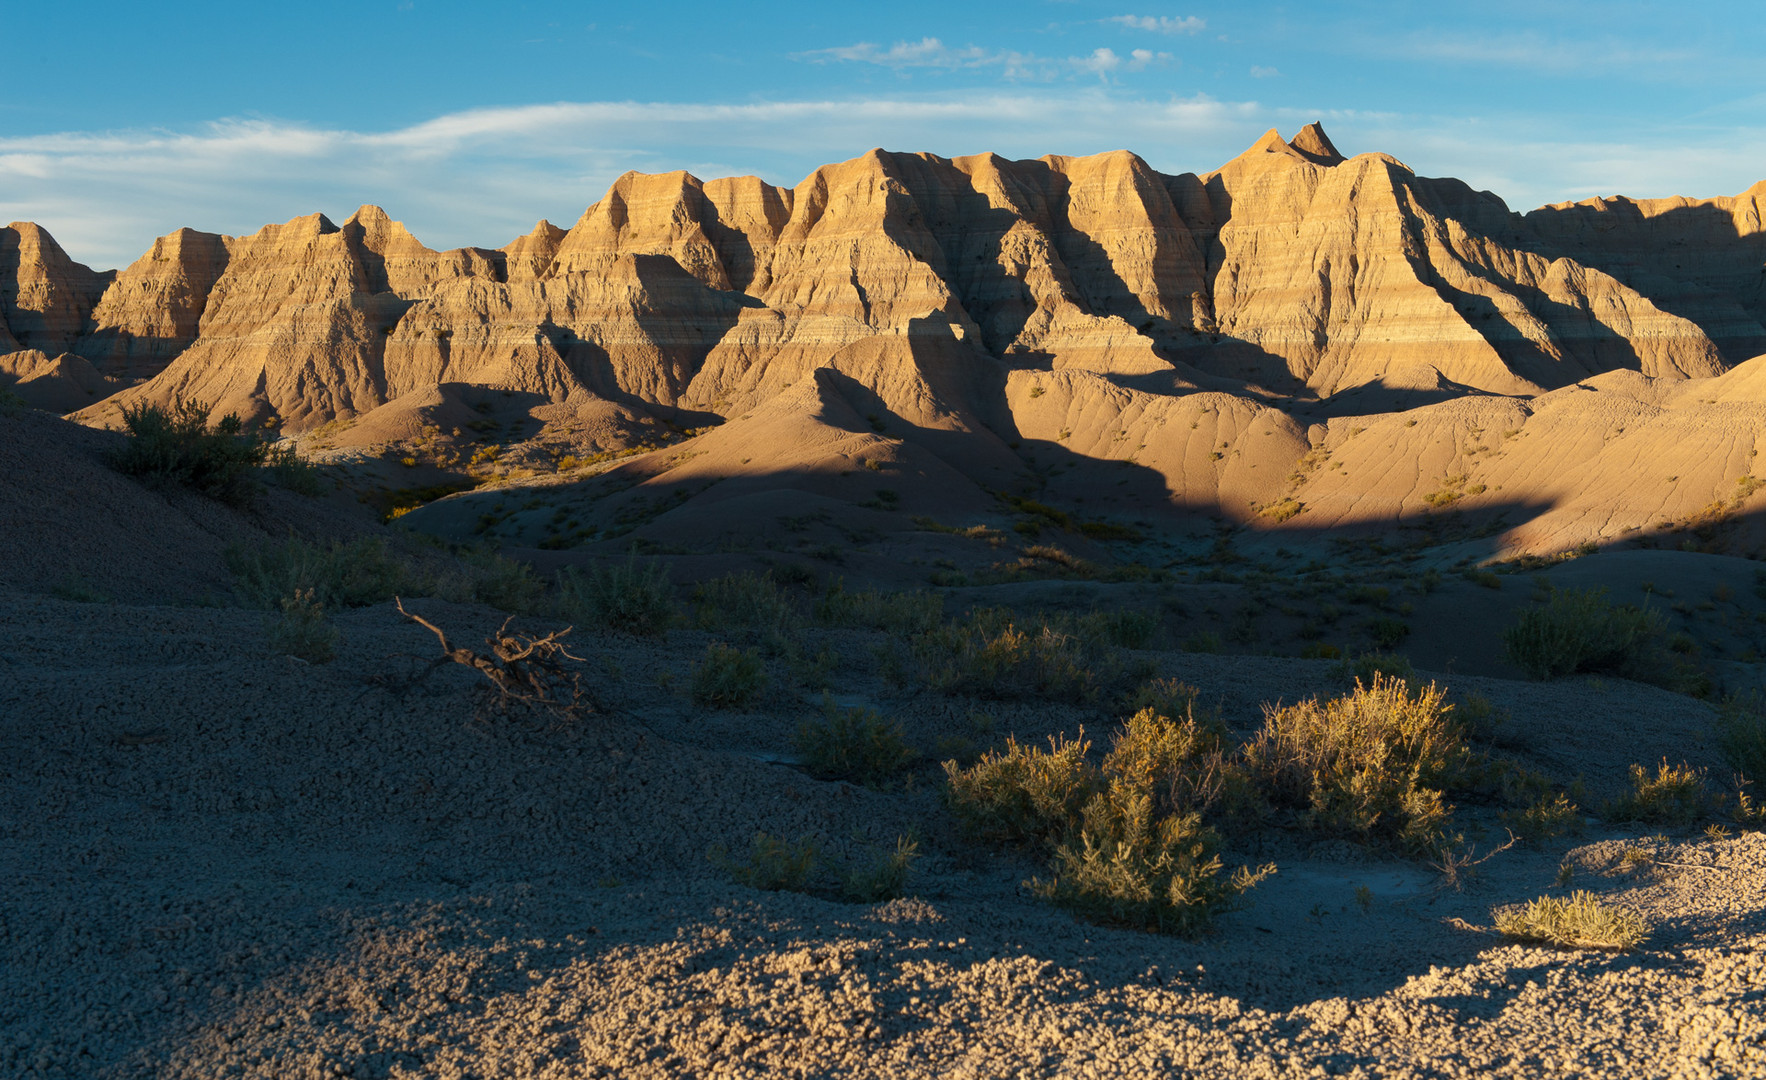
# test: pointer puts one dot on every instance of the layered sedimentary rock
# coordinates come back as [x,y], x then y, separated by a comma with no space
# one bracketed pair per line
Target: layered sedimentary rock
[45,297]
[1291,267]
[153,310]
[1222,332]
[1704,259]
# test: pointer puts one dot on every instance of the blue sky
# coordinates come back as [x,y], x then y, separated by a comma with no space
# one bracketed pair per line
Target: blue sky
[469,121]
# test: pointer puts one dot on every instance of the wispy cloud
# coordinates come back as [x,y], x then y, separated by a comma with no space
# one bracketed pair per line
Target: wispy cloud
[927,52]
[483,176]
[1161,24]
[932,53]
[1258,72]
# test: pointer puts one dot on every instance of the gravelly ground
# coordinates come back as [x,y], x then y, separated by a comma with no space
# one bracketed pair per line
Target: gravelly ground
[222,863]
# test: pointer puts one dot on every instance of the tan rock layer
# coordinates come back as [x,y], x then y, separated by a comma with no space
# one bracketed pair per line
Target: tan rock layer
[1291,266]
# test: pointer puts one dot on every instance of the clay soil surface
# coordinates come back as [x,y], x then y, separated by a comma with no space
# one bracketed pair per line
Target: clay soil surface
[223,862]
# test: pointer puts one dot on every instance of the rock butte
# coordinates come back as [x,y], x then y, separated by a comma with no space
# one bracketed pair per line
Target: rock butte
[1295,328]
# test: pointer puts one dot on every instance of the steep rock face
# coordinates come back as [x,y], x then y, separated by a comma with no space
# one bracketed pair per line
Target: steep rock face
[1135,332]
[295,328]
[750,215]
[1347,271]
[1703,259]
[153,309]
[637,327]
[45,297]
[662,215]
[527,258]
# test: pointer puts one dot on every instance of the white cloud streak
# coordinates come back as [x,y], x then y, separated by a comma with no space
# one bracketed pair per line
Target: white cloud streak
[1161,24]
[931,53]
[483,176]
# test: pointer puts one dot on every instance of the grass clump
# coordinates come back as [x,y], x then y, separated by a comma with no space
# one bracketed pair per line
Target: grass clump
[772,864]
[633,597]
[1122,628]
[727,677]
[886,877]
[987,654]
[1741,734]
[1368,666]
[1580,922]
[335,575]
[303,631]
[177,447]
[1675,796]
[852,744]
[913,612]
[1371,764]
[368,571]
[486,577]
[10,403]
[288,469]
[746,601]
[1548,816]
[1580,630]
[1167,697]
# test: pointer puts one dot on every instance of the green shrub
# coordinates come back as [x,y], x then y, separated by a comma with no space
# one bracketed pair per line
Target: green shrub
[1167,697]
[747,601]
[1581,630]
[10,403]
[1367,666]
[353,574]
[1741,732]
[633,597]
[1202,642]
[772,864]
[1127,866]
[1022,794]
[1121,628]
[1126,839]
[852,744]
[486,577]
[1387,632]
[1371,764]
[288,469]
[303,631]
[177,447]
[728,678]
[1674,796]
[1549,816]
[987,655]
[913,612]
[1581,922]
[887,876]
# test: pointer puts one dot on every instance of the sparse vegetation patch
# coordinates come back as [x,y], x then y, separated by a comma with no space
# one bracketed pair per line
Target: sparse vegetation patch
[1580,922]
[633,597]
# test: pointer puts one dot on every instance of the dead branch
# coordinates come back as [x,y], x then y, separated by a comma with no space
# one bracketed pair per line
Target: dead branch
[524,669]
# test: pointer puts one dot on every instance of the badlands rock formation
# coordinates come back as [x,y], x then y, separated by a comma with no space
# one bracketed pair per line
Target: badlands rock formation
[1223,333]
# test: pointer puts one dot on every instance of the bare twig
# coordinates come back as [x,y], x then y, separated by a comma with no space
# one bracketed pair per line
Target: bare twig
[1454,865]
[523,668]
